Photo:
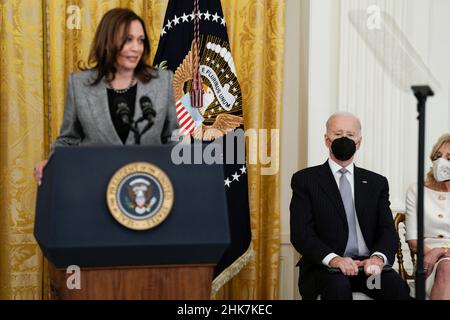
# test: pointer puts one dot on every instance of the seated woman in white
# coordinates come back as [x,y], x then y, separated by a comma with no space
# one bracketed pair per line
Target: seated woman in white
[436,222]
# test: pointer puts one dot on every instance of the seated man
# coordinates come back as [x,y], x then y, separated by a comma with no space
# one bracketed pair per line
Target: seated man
[342,225]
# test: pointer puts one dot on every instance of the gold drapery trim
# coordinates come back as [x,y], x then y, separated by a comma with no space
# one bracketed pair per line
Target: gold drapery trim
[230,272]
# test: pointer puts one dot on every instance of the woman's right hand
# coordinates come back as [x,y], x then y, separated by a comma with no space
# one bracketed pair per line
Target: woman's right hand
[348,266]
[39,171]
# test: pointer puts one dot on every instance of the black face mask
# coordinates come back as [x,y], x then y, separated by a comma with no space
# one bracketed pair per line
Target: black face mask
[343,148]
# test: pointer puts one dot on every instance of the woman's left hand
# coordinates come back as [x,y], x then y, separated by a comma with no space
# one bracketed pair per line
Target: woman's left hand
[430,260]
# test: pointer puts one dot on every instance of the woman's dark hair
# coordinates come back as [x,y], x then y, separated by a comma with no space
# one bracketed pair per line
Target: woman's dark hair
[105,48]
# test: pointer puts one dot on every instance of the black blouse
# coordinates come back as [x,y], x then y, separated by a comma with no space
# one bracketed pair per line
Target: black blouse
[130,97]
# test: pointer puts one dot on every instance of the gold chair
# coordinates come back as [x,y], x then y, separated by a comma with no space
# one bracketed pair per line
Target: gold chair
[400,220]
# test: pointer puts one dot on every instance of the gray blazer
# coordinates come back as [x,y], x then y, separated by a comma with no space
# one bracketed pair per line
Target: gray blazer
[87,120]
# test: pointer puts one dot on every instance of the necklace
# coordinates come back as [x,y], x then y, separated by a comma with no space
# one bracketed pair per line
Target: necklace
[121,91]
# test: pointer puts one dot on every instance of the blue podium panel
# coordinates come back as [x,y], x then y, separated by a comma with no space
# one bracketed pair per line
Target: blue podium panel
[74,226]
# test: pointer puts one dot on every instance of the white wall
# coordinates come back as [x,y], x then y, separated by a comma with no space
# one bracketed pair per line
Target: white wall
[293,132]
[345,76]
[339,73]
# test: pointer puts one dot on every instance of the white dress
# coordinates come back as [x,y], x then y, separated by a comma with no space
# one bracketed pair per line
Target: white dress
[436,222]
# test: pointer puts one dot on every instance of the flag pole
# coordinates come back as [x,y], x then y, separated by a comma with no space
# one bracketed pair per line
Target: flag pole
[196,90]
[422,93]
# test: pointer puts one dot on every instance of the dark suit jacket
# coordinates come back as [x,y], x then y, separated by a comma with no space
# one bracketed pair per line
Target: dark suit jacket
[319,223]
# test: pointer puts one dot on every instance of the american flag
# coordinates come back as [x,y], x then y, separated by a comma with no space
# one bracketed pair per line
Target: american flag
[187,124]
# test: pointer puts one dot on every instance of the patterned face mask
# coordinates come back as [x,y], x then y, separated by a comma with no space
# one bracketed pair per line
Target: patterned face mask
[441,169]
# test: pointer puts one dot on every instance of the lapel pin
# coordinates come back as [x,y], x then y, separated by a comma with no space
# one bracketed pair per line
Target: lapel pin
[364,181]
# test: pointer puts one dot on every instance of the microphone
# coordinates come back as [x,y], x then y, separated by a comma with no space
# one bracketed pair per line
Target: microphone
[148,113]
[123,111]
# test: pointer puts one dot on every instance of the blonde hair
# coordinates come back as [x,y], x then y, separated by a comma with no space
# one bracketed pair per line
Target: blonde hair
[443,140]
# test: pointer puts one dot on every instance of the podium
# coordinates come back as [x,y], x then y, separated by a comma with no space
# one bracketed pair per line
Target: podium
[172,260]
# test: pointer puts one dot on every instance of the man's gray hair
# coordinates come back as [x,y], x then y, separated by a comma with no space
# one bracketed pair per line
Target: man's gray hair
[342,113]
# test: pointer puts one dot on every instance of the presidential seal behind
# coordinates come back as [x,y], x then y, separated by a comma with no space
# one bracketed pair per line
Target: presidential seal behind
[140,196]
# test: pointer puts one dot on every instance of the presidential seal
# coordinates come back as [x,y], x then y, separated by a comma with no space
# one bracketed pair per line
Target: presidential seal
[140,196]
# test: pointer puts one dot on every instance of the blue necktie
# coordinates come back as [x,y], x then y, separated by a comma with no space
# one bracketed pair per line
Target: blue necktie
[351,250]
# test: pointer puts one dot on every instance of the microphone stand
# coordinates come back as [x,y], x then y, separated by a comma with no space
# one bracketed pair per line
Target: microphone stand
[124,113]
[422,93]
[148,126]
[137,134]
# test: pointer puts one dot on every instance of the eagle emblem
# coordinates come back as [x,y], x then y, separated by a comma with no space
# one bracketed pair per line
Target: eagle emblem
[140,194]
[222,98]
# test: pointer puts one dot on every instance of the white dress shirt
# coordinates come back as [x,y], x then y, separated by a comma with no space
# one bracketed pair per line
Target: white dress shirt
[362,247]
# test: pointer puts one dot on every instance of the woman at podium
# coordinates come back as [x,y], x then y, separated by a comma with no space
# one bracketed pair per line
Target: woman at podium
[122,99]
